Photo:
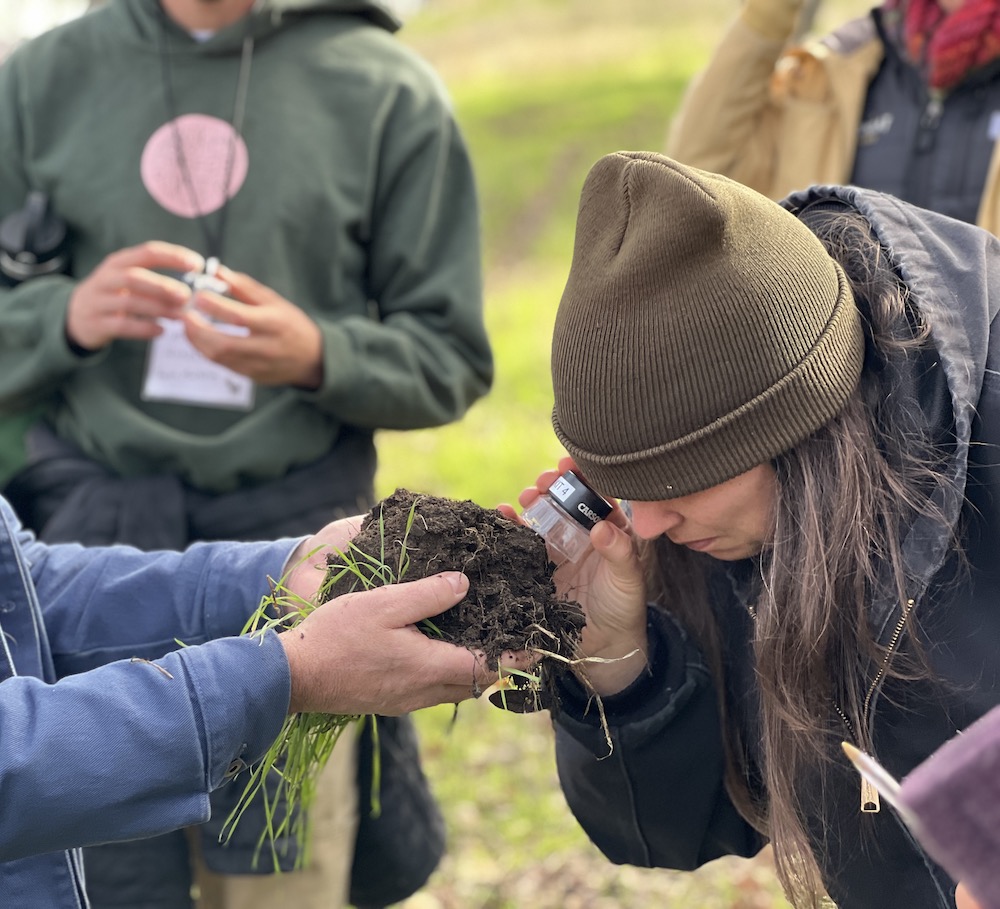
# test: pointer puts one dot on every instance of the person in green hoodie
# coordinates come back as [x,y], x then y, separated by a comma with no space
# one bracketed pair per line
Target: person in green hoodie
[274,252]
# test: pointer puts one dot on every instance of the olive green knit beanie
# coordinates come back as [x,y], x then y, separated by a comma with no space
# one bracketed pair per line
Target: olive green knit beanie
[703,331]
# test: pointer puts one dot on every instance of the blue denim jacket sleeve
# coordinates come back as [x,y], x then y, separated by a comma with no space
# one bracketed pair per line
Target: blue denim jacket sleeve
[121,748]
[133,749]
[102,604]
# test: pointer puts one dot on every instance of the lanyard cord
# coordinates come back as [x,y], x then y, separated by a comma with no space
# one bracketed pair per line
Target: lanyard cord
[213,238]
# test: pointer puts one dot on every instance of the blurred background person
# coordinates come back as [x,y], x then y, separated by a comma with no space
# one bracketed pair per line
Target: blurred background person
[305,172]
[905,100]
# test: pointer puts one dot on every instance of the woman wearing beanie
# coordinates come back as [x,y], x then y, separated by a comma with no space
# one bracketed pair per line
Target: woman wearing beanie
[902,100]
[799,407]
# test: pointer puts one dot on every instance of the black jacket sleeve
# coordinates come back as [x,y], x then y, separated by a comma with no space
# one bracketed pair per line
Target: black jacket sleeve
[655,797]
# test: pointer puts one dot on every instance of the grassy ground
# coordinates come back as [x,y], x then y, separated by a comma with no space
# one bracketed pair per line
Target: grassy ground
[542,89]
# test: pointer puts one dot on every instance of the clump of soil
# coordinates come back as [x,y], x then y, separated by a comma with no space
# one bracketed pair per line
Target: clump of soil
[512,602]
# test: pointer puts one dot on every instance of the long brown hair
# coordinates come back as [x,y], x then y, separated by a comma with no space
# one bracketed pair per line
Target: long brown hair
[845,498]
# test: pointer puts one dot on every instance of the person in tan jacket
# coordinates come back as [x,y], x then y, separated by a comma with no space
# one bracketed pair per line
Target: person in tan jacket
[905,100]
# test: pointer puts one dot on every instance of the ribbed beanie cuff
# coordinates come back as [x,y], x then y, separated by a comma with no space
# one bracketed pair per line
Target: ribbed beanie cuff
[703,331]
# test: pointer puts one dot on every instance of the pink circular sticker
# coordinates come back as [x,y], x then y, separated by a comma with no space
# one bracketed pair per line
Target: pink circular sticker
[207,144]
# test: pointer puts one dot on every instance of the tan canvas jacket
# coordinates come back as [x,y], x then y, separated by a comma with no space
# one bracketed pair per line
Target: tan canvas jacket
[780,118]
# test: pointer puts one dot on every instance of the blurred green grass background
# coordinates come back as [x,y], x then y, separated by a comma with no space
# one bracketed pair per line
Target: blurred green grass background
[542,89]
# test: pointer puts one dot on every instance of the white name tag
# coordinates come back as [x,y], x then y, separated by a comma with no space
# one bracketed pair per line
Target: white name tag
[176,371]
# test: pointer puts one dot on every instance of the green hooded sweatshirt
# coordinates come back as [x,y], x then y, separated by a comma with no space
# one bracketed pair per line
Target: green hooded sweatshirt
[357,203]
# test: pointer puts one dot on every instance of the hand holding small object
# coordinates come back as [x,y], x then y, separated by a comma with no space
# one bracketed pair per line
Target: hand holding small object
[608,583]
[280,344]
[126,294]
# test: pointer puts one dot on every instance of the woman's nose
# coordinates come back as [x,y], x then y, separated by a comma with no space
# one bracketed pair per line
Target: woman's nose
[653,519]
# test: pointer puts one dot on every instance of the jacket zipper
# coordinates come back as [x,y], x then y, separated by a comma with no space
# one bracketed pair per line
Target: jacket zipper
[918,176]
[870,802]
[930,120]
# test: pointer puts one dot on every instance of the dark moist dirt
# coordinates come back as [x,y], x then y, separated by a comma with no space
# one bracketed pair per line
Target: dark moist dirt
[511,604]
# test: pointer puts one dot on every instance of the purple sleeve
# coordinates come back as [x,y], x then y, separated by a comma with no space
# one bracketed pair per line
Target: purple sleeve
[955,797]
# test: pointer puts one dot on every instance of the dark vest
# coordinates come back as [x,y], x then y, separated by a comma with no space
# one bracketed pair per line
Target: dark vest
[934,154]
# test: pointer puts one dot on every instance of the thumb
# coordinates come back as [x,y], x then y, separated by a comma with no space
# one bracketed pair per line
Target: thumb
[617,547]
[411,601]
[614,544]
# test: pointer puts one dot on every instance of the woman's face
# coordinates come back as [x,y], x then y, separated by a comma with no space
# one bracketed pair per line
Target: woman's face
[731,521]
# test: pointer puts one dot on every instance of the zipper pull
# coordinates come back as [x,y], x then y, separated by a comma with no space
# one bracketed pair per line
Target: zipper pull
[930,120]
[870,771]
[870,802]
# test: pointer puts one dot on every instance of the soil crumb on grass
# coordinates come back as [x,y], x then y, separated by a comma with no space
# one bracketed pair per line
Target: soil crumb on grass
[511,603]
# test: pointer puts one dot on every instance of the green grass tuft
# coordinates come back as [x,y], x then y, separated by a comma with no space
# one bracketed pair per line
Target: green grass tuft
[284,780]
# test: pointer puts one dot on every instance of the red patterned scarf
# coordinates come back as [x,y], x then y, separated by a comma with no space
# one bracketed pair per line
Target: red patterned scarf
[946,47]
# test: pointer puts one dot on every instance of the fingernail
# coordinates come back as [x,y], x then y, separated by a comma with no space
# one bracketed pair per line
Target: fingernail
[458,581]
[602,533]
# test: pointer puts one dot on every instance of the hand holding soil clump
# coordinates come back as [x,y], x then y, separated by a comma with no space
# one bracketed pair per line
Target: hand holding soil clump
[511,605]
[512,602]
